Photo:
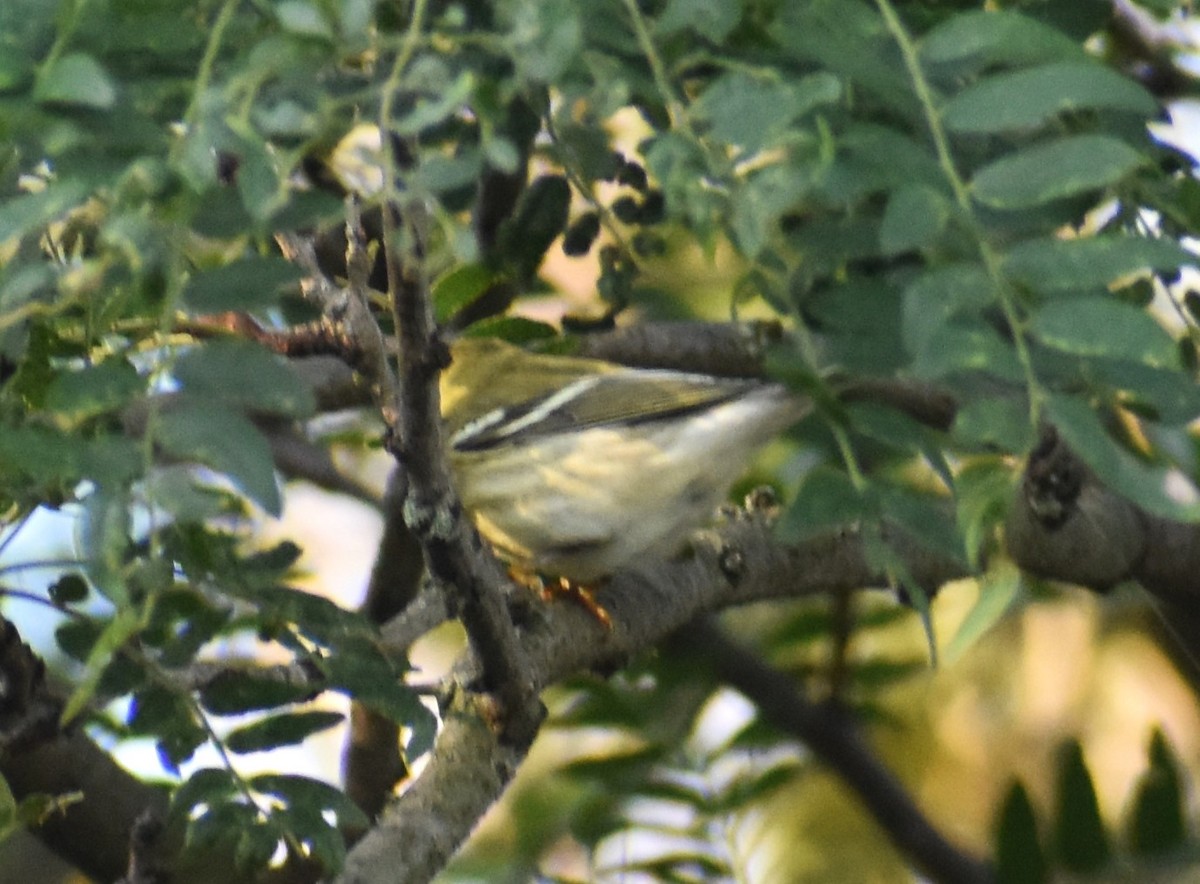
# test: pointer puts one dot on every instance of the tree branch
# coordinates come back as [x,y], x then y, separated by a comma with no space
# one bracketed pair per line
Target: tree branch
[453,551]
[1064,524]
[832,734]
[372,764]
[739,561]
[105,809]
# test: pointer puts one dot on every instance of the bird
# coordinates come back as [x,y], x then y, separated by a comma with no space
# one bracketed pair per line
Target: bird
[576,467]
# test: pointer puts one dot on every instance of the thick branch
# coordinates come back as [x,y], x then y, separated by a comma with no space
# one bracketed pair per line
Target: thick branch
[731,349]
[454,554]
[737,562]
[469,769]
[1064,524]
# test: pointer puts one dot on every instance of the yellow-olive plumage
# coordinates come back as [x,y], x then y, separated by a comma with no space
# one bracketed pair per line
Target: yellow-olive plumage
[576,467]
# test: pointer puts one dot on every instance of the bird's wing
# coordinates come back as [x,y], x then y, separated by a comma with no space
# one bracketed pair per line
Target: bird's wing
[620,398]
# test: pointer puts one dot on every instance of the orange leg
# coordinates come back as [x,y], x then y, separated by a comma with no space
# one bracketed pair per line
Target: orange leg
[561,587]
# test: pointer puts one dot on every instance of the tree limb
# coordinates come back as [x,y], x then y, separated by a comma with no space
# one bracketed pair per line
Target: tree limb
[453,551]
[372,764]
[737,562]
[833,735]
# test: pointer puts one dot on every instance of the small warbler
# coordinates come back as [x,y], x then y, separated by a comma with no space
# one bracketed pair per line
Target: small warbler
[575,467]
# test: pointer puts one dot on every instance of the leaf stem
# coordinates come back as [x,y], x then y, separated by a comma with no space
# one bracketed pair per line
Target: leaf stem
[675,109]
[208,60]
[962,195]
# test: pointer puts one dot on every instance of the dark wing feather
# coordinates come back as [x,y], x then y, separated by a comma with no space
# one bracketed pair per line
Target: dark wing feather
[621,398]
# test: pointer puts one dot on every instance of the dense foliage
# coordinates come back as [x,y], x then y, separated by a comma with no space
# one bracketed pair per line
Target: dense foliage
[961,196]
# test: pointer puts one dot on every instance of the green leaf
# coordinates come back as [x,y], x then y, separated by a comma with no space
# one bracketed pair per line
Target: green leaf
[936,296]
[959,347]
[303,19]
[367,676]
[427,112]
[923,517]
[861,323]
[1047,172]
[620,770]
[35,810]
[245,284]
[236,693]
[711,19]
[116,633]
[547,38]
[1157,823]
[850,39]
[980,39]
[753,112]
[1080,842]
[183,494]
[94,389]
[826,499]
[24,213]
[76,80]
[112,460]
[16,68]
[166,716]
[1100,326]
[255,843]
[886,425]
[300,791]
[1078,20]
[758,786]
[1156,390]
[227,442]
[77,637]
[999,588]
[444,175]
[995,423]
[70,589]
[1020,858]
[104,530]
[514,329]
[210,786]
[316,617]
[260,183]
[326,843]
[914,218]
[761,200]
[459,287]
[245,374]
[285,729]
[1142,483]
[877,158]
[982,490]
[42,454]
[1027,98]
[589,150]
[883,557]
[23,284]
[222,823]
[1053,265]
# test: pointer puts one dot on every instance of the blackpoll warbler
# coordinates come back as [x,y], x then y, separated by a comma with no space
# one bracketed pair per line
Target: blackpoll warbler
[575,467]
